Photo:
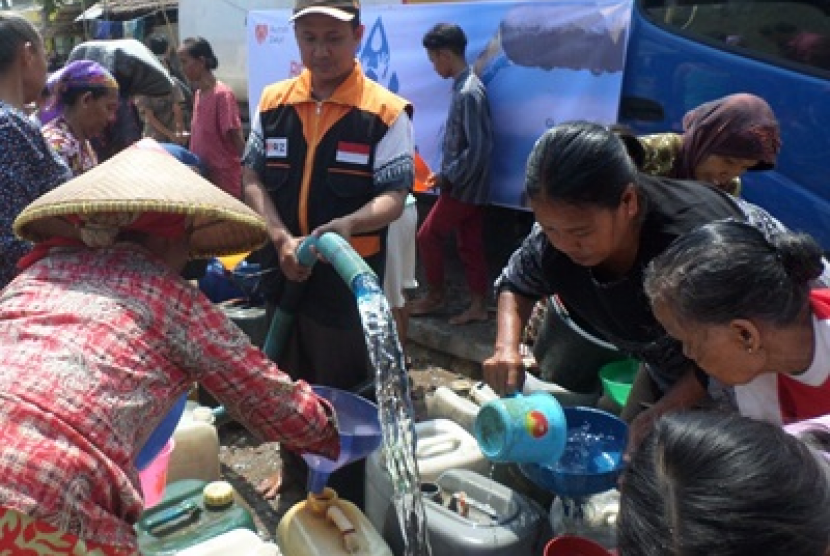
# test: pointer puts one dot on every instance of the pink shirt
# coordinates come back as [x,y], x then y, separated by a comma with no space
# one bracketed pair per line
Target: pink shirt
[95,347]
[215,115]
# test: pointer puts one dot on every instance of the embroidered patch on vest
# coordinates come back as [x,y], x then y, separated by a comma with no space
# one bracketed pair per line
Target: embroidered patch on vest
[276,147]
[353,153]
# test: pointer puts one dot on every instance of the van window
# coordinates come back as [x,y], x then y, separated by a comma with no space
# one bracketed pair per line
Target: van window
[789,34]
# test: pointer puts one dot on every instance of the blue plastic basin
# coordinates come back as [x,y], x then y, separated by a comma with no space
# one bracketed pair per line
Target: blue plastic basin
[585,468]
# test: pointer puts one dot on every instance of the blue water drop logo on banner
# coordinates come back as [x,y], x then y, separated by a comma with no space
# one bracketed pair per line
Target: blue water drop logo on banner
[376,58]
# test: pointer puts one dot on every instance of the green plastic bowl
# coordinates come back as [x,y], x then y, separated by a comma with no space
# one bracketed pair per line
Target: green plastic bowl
[617,378]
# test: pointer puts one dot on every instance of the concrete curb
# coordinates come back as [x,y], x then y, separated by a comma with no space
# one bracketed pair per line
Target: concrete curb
[471,344]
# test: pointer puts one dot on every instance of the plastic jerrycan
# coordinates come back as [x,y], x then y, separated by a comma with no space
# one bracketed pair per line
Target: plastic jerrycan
[239,542]
[469,514]
[191,512]
[324,525]
[442,445]
[197,446]
[446,404]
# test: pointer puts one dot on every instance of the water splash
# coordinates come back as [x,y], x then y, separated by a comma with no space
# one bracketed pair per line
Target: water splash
[587,452]
[395,412]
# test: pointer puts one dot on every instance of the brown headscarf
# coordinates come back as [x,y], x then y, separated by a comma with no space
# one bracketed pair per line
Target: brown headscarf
[740,125]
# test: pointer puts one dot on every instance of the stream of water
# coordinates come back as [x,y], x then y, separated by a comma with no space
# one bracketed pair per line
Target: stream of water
[395,412]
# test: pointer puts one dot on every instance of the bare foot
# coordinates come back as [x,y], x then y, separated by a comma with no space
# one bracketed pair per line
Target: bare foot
[270,487]
[468,316]
[432,303]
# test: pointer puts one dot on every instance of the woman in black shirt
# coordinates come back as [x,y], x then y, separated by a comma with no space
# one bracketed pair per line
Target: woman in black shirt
[598,224]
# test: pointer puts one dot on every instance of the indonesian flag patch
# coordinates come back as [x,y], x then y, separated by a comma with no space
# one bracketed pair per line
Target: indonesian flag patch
[353,153]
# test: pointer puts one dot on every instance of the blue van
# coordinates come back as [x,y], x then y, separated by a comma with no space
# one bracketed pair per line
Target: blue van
[685,52]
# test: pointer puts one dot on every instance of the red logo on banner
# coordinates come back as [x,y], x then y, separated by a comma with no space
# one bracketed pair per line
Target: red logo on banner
[261,32]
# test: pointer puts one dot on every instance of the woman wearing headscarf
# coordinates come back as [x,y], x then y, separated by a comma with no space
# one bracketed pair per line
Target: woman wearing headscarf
[100,336]
[85,97]
[721,140]
[166,117]
[28,167]
[137,72]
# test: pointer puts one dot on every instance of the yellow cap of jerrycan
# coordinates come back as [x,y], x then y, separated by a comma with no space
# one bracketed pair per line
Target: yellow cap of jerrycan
[218,494]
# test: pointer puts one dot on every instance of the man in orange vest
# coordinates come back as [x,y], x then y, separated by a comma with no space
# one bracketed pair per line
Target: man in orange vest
[329,151]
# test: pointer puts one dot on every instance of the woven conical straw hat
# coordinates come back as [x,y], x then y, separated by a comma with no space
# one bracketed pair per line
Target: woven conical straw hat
[146,179]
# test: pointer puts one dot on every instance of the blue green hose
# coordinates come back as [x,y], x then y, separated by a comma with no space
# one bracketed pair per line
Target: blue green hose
[349,266]
[283,318]
[345,260]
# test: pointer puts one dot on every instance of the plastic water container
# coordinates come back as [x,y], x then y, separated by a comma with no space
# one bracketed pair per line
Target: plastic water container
[153,478]
[442,445]
[522,428]
[475,516]
[324,525]
[481,393]
[444,403]
[191,512]
[250,318]
[239,542]
[161,434]
[571,545]
[594,517]
[217,284]
[197,446]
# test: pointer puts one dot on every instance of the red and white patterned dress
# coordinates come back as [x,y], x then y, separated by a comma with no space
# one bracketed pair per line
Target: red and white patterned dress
[95,347]
[78,155]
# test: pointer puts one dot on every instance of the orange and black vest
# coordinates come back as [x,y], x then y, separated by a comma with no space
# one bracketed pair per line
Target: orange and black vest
[320,159]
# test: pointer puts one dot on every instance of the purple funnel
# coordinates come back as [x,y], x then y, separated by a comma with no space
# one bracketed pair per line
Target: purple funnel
[360,434]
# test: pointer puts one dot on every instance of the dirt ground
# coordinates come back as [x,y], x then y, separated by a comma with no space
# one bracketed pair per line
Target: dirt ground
[245,461]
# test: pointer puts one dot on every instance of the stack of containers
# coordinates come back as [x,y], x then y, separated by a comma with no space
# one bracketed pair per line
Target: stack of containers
[471,515]
[442,445]
[462,407]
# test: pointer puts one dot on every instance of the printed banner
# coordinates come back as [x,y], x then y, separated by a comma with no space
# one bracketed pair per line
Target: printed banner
[543,63]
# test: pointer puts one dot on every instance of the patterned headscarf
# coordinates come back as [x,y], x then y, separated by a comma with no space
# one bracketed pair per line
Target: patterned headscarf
[80,74]
[739,125]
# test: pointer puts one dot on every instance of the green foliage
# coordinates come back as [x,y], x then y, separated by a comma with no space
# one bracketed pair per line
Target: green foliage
[49,7]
